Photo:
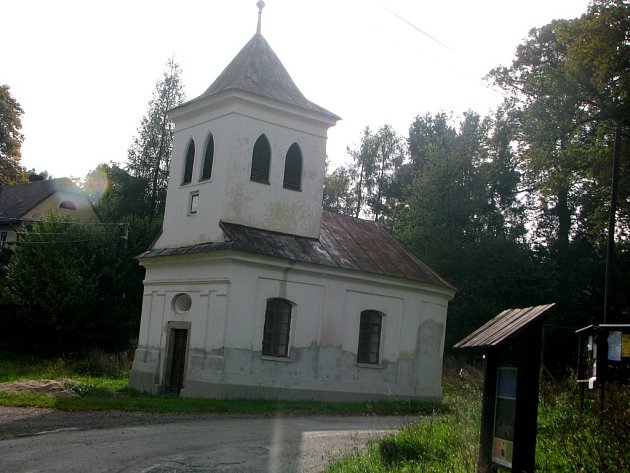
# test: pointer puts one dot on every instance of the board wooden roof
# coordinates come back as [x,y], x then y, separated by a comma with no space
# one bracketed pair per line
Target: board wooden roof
[500,328]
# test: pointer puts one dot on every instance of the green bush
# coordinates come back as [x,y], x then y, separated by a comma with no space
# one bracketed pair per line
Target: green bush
[100,364]
[73,286]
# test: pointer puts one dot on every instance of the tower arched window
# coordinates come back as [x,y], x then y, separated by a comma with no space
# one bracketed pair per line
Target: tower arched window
[208,157]
[277,327]
[293,168]
[189,163]
[370,337]
[261,159]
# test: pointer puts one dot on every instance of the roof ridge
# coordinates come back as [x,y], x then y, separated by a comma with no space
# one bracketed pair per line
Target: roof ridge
[275,232]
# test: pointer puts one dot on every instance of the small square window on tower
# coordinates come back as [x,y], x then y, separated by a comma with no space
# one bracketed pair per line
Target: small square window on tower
[194,203]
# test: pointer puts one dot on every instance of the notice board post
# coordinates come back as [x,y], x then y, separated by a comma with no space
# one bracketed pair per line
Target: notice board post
[509,411]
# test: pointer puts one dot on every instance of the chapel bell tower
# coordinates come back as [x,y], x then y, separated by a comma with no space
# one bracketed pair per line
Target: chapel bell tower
[250,150]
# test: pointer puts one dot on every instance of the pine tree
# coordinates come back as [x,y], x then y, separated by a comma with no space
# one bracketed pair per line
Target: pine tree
[10,139]
[149,154]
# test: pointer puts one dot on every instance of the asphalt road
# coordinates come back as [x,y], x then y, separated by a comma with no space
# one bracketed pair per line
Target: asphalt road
[208,444]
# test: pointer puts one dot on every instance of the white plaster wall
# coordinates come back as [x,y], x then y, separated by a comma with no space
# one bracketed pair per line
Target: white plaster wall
[207,283]
[229,292]
[306,315]
[181,227]
[270,206]
[230,195]
[357,301]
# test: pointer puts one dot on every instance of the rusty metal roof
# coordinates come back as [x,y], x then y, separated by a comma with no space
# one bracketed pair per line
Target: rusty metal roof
[507,323]
[345,242]
[257,69]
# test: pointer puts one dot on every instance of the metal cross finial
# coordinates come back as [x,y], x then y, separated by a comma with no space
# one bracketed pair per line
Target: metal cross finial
[260,4]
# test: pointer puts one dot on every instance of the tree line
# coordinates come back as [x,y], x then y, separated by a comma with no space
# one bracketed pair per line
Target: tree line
[71,286]
[514,208]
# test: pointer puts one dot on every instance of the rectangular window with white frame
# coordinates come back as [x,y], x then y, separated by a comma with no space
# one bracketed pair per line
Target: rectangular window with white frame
[194,203]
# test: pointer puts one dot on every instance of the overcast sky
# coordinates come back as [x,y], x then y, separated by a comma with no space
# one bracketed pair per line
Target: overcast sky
[84,71]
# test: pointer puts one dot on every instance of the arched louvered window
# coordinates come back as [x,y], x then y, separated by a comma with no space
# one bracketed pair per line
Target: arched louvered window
[293,168]
[277,327]
[261,159]
[369,337]
[189,163]
[206,171]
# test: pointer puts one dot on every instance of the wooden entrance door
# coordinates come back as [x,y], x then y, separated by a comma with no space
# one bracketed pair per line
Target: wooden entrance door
[178,360]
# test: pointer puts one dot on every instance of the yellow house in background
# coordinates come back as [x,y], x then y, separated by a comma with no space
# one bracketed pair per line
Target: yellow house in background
[24,203]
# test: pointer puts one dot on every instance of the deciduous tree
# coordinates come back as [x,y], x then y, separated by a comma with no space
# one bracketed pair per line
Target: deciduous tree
[374,164]
[390,154]
[551,128]
[115,193]
[72,275]
[570,84]
[362,170]
[338,197]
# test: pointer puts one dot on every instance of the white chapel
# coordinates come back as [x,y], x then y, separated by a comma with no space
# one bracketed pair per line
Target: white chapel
[251,290]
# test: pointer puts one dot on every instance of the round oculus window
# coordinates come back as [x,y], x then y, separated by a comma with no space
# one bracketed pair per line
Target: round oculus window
[182,303]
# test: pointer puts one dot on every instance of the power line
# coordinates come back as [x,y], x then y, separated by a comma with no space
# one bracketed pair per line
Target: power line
[27,242]
[29,220]
[47,233]
[437,41]
[417,28]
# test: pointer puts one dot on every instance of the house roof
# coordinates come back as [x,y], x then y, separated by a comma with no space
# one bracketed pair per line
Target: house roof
[257,69]
[17,200]
[506,324]
[345,242]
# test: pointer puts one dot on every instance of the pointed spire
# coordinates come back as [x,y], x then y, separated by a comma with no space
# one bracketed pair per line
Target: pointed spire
[260,4]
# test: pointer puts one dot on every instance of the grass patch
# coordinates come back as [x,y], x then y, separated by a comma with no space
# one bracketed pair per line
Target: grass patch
[101,382]
[445,439]
[94,365]
[569,440]
[127,400]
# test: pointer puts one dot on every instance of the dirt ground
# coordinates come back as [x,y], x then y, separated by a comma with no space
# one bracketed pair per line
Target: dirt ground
[50,386]
[24,421]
